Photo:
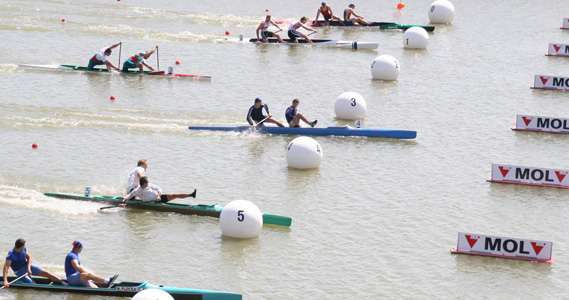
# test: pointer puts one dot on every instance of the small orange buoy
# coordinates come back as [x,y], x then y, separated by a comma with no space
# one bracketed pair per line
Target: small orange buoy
[34,145]
[63,20]
[227,33]
[177,62]
[400,5]
[112,97]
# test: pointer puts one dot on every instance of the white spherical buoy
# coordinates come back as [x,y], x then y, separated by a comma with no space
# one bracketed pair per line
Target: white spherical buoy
[442,12]
[241,219]
[152,294]
[415,38]
[350,106]
[304,153]
[385,67]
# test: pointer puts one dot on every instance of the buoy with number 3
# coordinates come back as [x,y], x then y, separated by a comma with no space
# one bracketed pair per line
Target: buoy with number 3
[350,106]
[241,219]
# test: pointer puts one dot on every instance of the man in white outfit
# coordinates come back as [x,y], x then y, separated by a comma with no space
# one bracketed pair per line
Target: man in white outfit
[148,192]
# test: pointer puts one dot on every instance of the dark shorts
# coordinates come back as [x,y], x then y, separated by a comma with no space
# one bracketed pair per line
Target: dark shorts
[163,199]
[327,18]
[266,34]
[293,35]
[92,64]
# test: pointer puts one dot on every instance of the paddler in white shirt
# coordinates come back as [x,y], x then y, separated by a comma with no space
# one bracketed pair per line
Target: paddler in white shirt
[265,33]
[100,58]
[293,33]
[148,192]
[138,60]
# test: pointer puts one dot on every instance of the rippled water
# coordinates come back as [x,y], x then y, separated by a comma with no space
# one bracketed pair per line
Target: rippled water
[376,220]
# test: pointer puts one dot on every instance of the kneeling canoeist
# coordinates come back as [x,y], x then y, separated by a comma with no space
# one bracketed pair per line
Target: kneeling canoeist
[265,33]
[20,261]
[138,60]
[77,275]
[327,13]
[293,33]
[256,114]
[100,58]
[349,20]
[293,117]
[148,192]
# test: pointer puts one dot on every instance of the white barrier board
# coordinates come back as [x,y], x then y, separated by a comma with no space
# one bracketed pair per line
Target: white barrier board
[505,247]
[542,124]
[530,176]
[550,82]
[556,49]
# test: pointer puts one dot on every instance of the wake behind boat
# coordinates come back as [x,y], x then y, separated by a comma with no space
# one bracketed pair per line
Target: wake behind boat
[104,70]
[124,289]
[211,210]
[338,131]
[381,25]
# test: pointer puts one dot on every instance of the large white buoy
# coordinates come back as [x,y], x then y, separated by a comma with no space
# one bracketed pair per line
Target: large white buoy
[304,153]
[385,67]
[152,294]
[442,12]
[415,38]
[350,106]
[241,219]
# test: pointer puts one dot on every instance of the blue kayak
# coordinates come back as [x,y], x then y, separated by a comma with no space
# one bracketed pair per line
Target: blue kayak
[339,131]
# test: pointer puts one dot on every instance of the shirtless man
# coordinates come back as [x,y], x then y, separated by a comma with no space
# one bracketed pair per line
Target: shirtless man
[265,33]
[293,33]
[349,20]
[327,13]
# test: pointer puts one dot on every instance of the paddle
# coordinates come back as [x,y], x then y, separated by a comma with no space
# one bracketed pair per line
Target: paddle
[261,122]
[14,280]
[311,33]
[157,59]
[120,50]
[111,206]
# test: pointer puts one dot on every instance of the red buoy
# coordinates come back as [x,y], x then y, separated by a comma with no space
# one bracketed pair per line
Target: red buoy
[400,5]
[34,145]
[177,62]
[112,97]
[63,20]
[227,33]
[267,10]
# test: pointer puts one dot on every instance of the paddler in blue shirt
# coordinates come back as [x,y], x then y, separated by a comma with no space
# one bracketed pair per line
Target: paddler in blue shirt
[20,261]
[138,60]
[256,114]
[77,275]
[293,117]
[100,58]
[349,20]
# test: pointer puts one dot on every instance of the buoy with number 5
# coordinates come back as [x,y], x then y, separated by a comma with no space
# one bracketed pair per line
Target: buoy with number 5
[152,294]
[241,219]
[350,106]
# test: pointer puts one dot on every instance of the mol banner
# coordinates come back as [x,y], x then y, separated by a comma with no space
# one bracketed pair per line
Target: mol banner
[537,123]
[558,50]
[565,23]
[487,245]
[530,176]
[550,82]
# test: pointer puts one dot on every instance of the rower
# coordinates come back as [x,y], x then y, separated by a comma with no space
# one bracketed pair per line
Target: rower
[293,34]
[100,58]
[148,192]
[77,275]
[349,20]
[256,114]
[293,117]
[138,60]
[20,261]
[265,33]
[327,13]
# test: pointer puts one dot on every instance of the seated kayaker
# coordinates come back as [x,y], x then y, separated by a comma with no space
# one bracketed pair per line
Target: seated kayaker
[256,114]
[138,60]
[294,34]
[77,275]
[293,117]
[20,261]
[327,13]
[265,33]
[100,58]
[148,192]
[349,20]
